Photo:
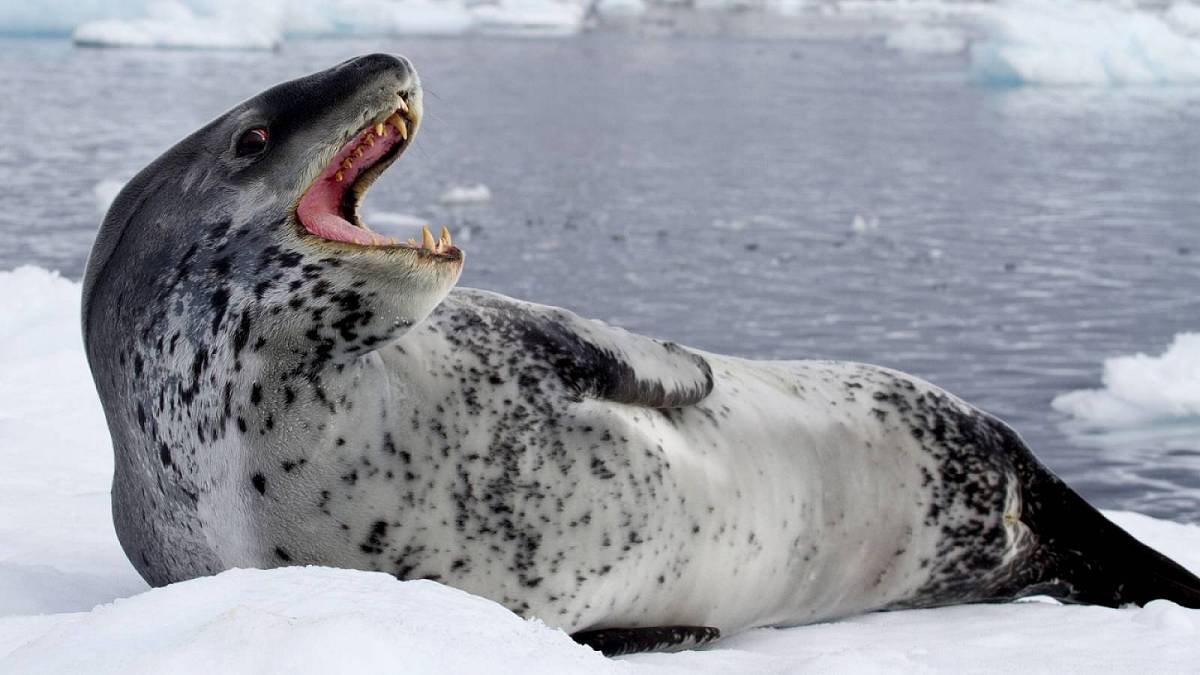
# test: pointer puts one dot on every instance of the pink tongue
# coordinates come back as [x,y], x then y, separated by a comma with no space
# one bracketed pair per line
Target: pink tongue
[334,228]
[319,208]
[318,212]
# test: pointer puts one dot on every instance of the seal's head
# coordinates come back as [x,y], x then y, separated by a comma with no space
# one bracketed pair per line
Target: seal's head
[234,301]
[262,204]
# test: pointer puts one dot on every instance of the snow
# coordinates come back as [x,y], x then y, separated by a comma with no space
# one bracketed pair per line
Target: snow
[1085,42]
[58,549]
[1142,390]
[467,194]
[297,620]
[71,603]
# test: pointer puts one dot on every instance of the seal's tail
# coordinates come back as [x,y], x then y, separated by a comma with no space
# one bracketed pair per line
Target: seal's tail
[1081,556]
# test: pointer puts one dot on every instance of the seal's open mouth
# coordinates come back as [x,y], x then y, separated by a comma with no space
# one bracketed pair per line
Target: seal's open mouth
[329,208]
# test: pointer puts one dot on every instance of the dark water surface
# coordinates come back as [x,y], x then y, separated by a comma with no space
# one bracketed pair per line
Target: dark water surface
[704,190]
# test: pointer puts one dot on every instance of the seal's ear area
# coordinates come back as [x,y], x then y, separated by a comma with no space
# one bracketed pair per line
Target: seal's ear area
[597,360]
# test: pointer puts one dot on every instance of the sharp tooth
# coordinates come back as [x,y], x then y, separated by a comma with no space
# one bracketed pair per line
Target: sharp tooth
[379,129]
[398,122]
[358,151]
[426,238]
[412,242]
[446,237]
[338,176]
[346,163]
[371,140]
[403,106]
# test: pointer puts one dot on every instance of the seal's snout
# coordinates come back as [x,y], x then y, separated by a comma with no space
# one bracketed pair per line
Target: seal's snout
[388,89]
[379,63]
[397,72]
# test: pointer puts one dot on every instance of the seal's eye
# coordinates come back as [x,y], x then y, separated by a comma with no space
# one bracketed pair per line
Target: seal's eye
[252,142]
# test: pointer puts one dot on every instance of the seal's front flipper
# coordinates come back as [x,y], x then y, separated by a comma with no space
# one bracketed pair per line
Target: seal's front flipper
[591,358]
[617,641]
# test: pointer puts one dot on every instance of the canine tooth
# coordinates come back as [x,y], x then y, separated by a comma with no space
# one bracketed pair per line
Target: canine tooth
[426,238]
[403,105]
[379,129]
[346,163]
[338,176]
[398,122]
[446,237]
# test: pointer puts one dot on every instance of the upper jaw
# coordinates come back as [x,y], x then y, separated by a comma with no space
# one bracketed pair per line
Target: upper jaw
[327,211]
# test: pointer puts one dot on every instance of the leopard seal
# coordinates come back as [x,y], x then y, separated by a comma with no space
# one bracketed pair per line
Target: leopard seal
[284,386]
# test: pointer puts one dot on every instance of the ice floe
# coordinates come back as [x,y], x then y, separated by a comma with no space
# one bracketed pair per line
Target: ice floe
[1142,389]
[467,194]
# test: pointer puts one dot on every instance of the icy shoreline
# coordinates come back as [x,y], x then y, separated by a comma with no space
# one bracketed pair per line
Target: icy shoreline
[70,602]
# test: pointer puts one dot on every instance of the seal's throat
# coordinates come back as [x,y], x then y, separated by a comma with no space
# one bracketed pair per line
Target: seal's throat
[329,207]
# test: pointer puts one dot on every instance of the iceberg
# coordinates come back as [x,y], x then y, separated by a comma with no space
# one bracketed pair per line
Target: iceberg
[530,17]
[225,24]
[309,18]
[173,25]
[1085,42]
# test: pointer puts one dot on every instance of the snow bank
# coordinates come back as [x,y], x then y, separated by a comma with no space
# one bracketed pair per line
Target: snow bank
[59,559]
[58,550]
[299,620]
[1141,390]
[1085,42]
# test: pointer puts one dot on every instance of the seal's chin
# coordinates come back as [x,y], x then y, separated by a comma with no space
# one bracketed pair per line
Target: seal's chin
[329,207]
